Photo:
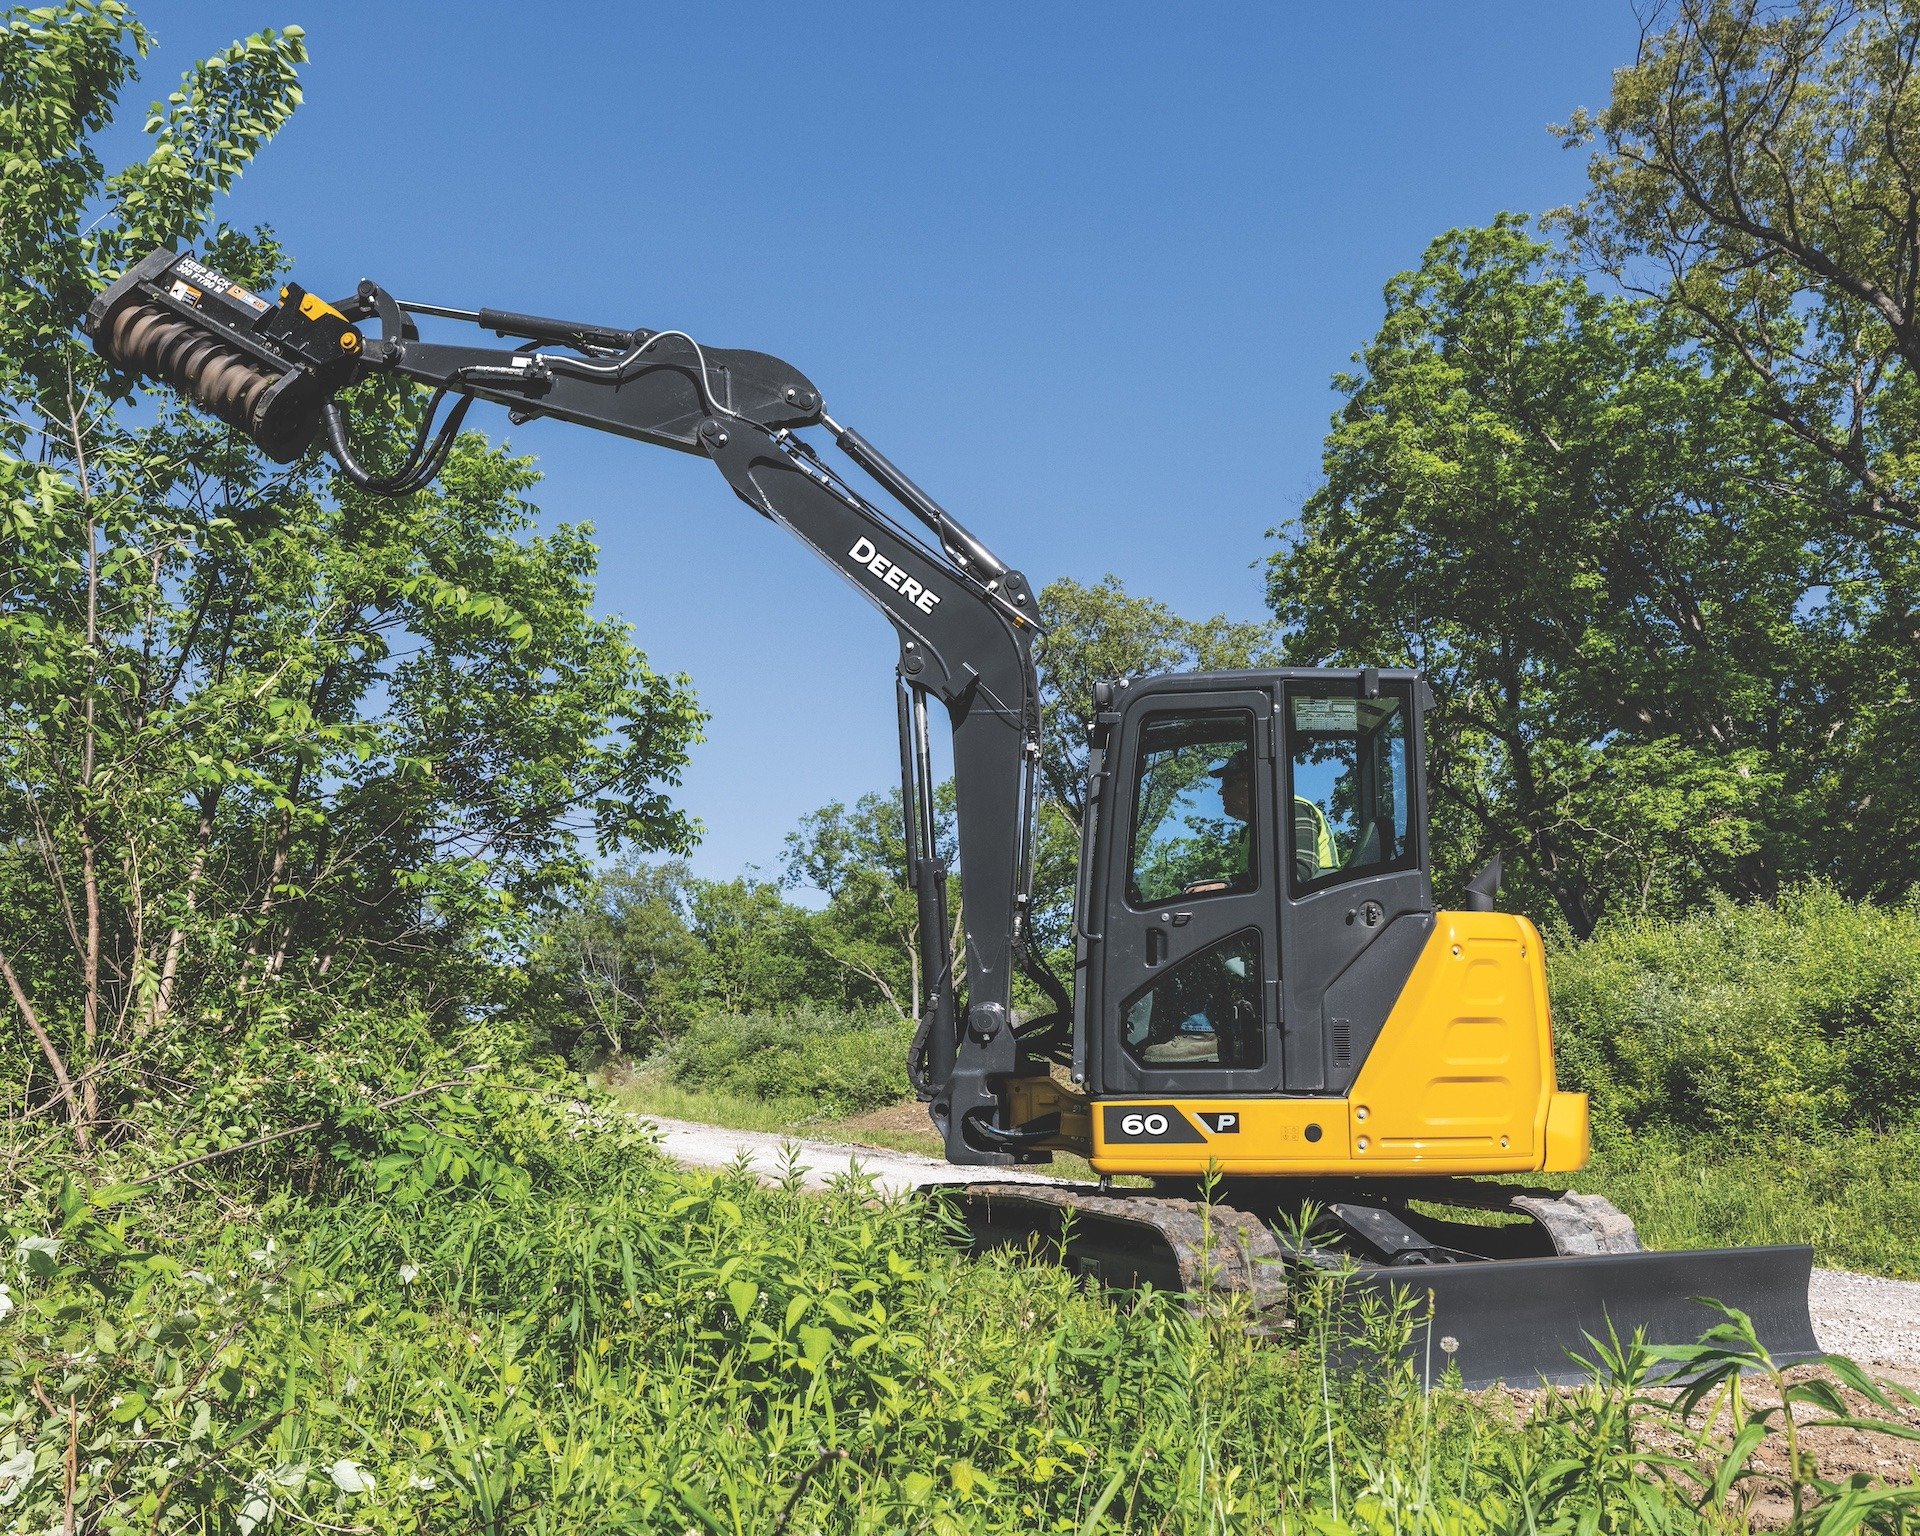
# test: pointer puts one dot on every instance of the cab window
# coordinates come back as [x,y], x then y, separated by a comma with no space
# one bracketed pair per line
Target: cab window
[1205,1012]
[1351,791]
[1192,807]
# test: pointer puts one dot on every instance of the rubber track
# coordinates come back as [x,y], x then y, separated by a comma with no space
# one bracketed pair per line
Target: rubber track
[1124,1238]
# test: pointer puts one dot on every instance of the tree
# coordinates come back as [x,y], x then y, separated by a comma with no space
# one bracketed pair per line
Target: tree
[1759,175]
[1561,512]
[265,742]
[1760,172]
[759,954]
[857,858]
[1104,633]
[619,970]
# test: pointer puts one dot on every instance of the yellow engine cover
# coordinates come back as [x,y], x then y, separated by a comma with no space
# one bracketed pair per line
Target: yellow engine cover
[1460,1081]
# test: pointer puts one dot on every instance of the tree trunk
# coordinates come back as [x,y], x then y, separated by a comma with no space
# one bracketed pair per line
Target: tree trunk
[76,1116]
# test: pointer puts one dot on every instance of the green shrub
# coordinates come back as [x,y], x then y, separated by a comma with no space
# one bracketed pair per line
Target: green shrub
[1797,1018]
[606,1343]
[842,1063]
[1853,1195]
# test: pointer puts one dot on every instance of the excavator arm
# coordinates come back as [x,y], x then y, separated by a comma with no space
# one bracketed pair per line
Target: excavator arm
[1362,1162]
[964,619]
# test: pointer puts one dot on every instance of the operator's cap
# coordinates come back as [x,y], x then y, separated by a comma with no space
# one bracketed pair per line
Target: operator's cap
[1237,763]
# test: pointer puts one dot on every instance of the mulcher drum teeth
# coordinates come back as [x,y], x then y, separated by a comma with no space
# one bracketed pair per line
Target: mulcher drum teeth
[266,369]
[1519,1320]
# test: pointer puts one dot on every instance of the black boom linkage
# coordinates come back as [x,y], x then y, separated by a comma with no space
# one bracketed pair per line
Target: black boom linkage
[965,620]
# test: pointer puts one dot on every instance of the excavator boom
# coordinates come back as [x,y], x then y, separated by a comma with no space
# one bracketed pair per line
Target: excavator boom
[1265,993]
[965,620]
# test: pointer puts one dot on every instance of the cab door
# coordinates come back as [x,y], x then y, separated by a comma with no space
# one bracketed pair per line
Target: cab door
[1187,984]
[1359,905]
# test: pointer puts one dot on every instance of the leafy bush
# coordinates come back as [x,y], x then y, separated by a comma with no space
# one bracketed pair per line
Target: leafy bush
[1798,1018]
[581,1338]
[843,1063]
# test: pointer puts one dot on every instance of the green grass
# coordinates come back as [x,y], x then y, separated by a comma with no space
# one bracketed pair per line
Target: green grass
[1855,1197]
[654,1094]
[555,1332]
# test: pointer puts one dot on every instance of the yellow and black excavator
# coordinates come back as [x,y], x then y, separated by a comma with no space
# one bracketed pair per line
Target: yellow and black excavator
[1266,997]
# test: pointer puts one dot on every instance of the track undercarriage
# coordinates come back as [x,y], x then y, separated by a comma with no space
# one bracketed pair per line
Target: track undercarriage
[1509,1283]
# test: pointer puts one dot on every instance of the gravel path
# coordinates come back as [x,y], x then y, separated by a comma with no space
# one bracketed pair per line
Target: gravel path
[1868,1318]
[712,1146]
[1875,1321]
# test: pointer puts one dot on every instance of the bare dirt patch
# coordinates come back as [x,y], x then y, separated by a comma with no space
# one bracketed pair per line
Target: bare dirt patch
[894,1120]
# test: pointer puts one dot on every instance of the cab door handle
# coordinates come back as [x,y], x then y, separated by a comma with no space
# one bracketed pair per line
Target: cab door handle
[1156,945]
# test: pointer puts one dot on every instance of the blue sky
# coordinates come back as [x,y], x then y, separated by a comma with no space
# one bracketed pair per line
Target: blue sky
[1084,272]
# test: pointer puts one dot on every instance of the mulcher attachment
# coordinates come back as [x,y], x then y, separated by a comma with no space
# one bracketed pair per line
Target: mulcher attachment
[266,369]
[1518,1301]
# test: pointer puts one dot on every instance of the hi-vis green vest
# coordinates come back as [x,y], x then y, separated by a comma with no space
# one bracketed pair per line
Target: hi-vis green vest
[1312,834]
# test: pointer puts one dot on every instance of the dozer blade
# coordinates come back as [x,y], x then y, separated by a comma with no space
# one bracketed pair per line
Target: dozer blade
[1518,1320]
[1521,1321]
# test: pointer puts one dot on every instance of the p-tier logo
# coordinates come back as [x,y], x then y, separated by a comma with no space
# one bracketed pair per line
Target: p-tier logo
[1154,1122]
[866,554]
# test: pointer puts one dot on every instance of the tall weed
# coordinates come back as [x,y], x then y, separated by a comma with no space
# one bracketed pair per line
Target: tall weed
[574,1336]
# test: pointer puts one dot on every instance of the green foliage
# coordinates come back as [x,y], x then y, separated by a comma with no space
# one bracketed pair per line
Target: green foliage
[263,739]
[841,1064]
[758,948]
[575,1337]
[1728,1369]
[857,857]
[1646,667]
[617,973]
[1757,169]
[1796,1019]
[1852,1195]
[648,948]
[1756,173]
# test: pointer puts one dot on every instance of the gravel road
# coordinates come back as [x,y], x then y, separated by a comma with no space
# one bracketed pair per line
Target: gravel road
[1868,1318]
[1875,1321]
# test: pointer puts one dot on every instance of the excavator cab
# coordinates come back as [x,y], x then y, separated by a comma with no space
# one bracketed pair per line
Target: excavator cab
[1264,983]
[1256,882]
